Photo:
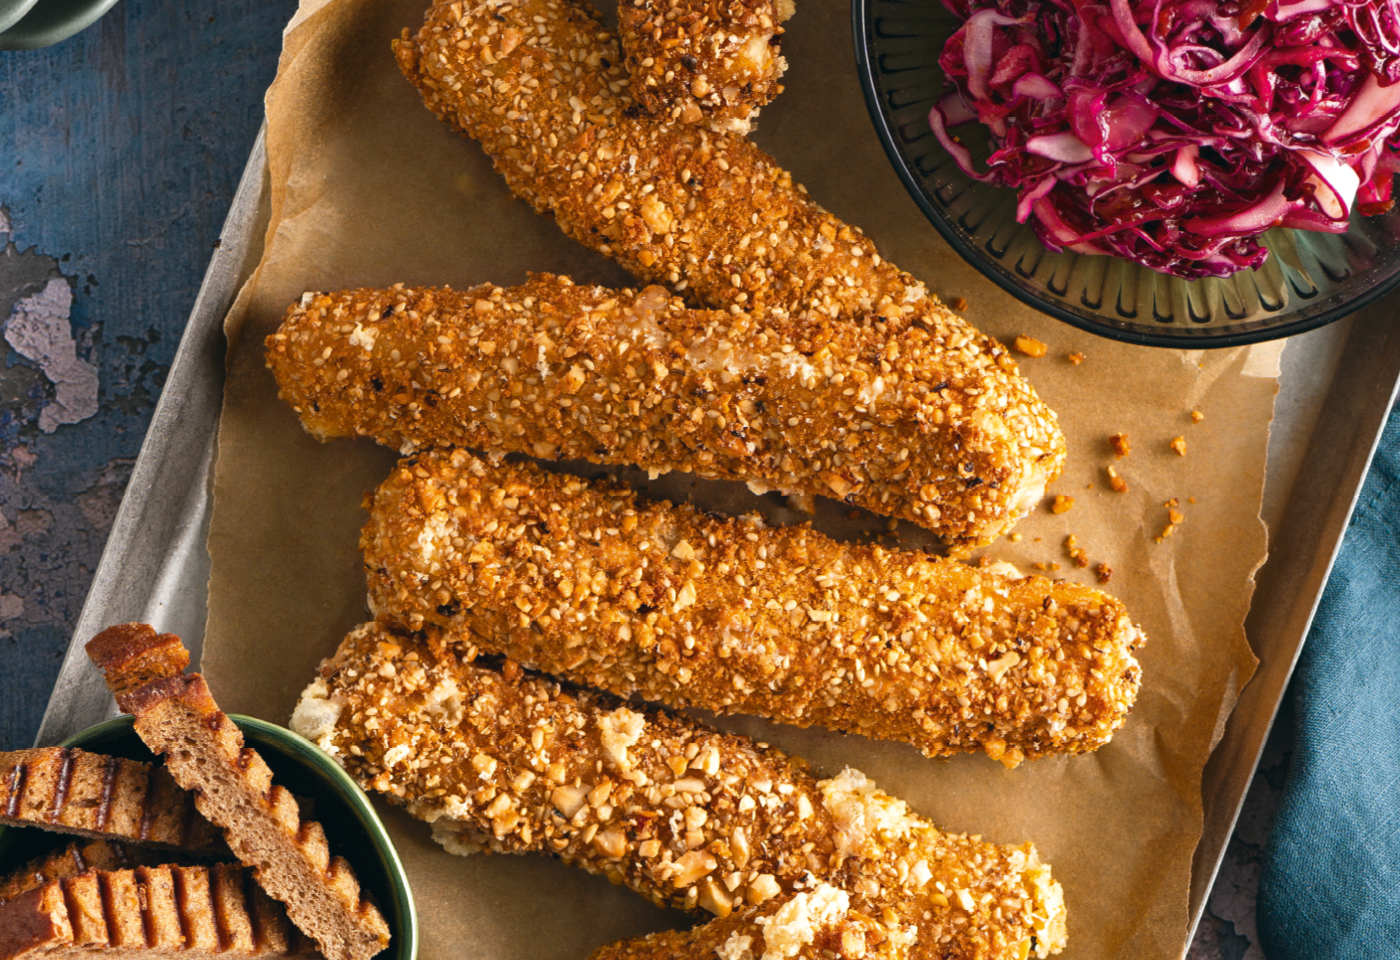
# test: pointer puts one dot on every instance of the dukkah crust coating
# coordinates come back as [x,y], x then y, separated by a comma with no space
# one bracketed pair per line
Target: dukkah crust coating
[582,580]
[678,812]
[823,923]
[67,790]
[540,84]
[697,60]
[204,751]
[558,370]
[161,911]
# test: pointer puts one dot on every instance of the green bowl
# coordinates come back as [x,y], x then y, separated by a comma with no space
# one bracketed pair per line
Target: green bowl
[352,827]
[48,21]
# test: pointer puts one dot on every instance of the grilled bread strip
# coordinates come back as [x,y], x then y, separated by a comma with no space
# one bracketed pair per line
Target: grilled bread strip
[823,923]
[674,810]
[563,371]
[695,60]
[582,580]
[72,791]
[69,860]
[164,911]
[205,753]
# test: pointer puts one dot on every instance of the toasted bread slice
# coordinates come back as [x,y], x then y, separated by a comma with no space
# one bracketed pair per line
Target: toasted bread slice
[72,791]
[176,716]
[69,860]
[190,912]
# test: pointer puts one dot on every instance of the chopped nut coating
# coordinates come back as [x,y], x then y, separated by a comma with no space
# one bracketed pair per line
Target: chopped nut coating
[583,581]
[694,60]
[823,923]
[683,814]
[556,370]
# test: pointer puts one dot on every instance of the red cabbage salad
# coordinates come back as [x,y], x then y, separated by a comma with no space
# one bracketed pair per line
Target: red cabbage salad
[1173,133]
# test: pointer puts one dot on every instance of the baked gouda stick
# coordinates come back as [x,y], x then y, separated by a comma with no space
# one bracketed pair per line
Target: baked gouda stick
[823,923]
[674,810]
[540,84]
[583,581]
[694,60]
[563,371]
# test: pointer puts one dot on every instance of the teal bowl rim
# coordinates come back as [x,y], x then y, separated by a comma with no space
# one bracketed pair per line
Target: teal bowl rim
[48,22]
[297,748]
[14,13]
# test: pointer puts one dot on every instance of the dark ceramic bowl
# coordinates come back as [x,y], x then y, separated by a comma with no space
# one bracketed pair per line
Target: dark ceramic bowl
[1309,279]
[46,22]
[352,827]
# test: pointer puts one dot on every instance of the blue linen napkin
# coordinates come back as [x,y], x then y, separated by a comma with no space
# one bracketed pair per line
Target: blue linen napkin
[1330,882]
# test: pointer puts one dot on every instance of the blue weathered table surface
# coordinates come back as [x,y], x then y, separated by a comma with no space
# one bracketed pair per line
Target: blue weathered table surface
[119,152]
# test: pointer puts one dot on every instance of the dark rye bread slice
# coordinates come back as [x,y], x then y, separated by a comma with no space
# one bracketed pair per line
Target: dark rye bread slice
[69,860]
[204,751]
[149,912]
[67,790]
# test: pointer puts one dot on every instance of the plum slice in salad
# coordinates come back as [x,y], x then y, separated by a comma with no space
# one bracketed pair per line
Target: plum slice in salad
[1173,133]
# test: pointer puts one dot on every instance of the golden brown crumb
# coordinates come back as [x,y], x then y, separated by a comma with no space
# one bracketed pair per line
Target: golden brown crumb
[958,303]
[1179,445]
[1104,572]
[1119,442]
[1016,538]
[1061,504]
[1076,358]
[1076,552]
[1174,519]
[1197,416]
[1030,346]
[1117,483]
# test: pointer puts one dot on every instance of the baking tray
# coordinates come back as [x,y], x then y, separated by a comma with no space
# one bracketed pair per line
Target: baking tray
[1337,387]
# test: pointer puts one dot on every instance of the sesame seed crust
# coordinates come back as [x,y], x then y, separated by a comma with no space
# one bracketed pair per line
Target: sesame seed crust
[697,60]
[582,580]
[805,405]
[500,760]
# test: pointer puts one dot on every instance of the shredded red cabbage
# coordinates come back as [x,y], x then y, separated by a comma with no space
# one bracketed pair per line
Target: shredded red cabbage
[1175,132]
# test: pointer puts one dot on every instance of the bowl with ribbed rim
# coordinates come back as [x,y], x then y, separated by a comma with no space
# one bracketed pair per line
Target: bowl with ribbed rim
[353,828]
[1310,279]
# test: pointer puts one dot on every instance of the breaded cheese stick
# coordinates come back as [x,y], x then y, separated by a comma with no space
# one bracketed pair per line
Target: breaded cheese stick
[694,60]
[582,580]
[540,84]
[676,811]
[823,923]
[563,371]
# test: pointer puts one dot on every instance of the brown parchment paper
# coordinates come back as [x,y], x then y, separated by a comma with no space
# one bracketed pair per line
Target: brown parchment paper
[369,189]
